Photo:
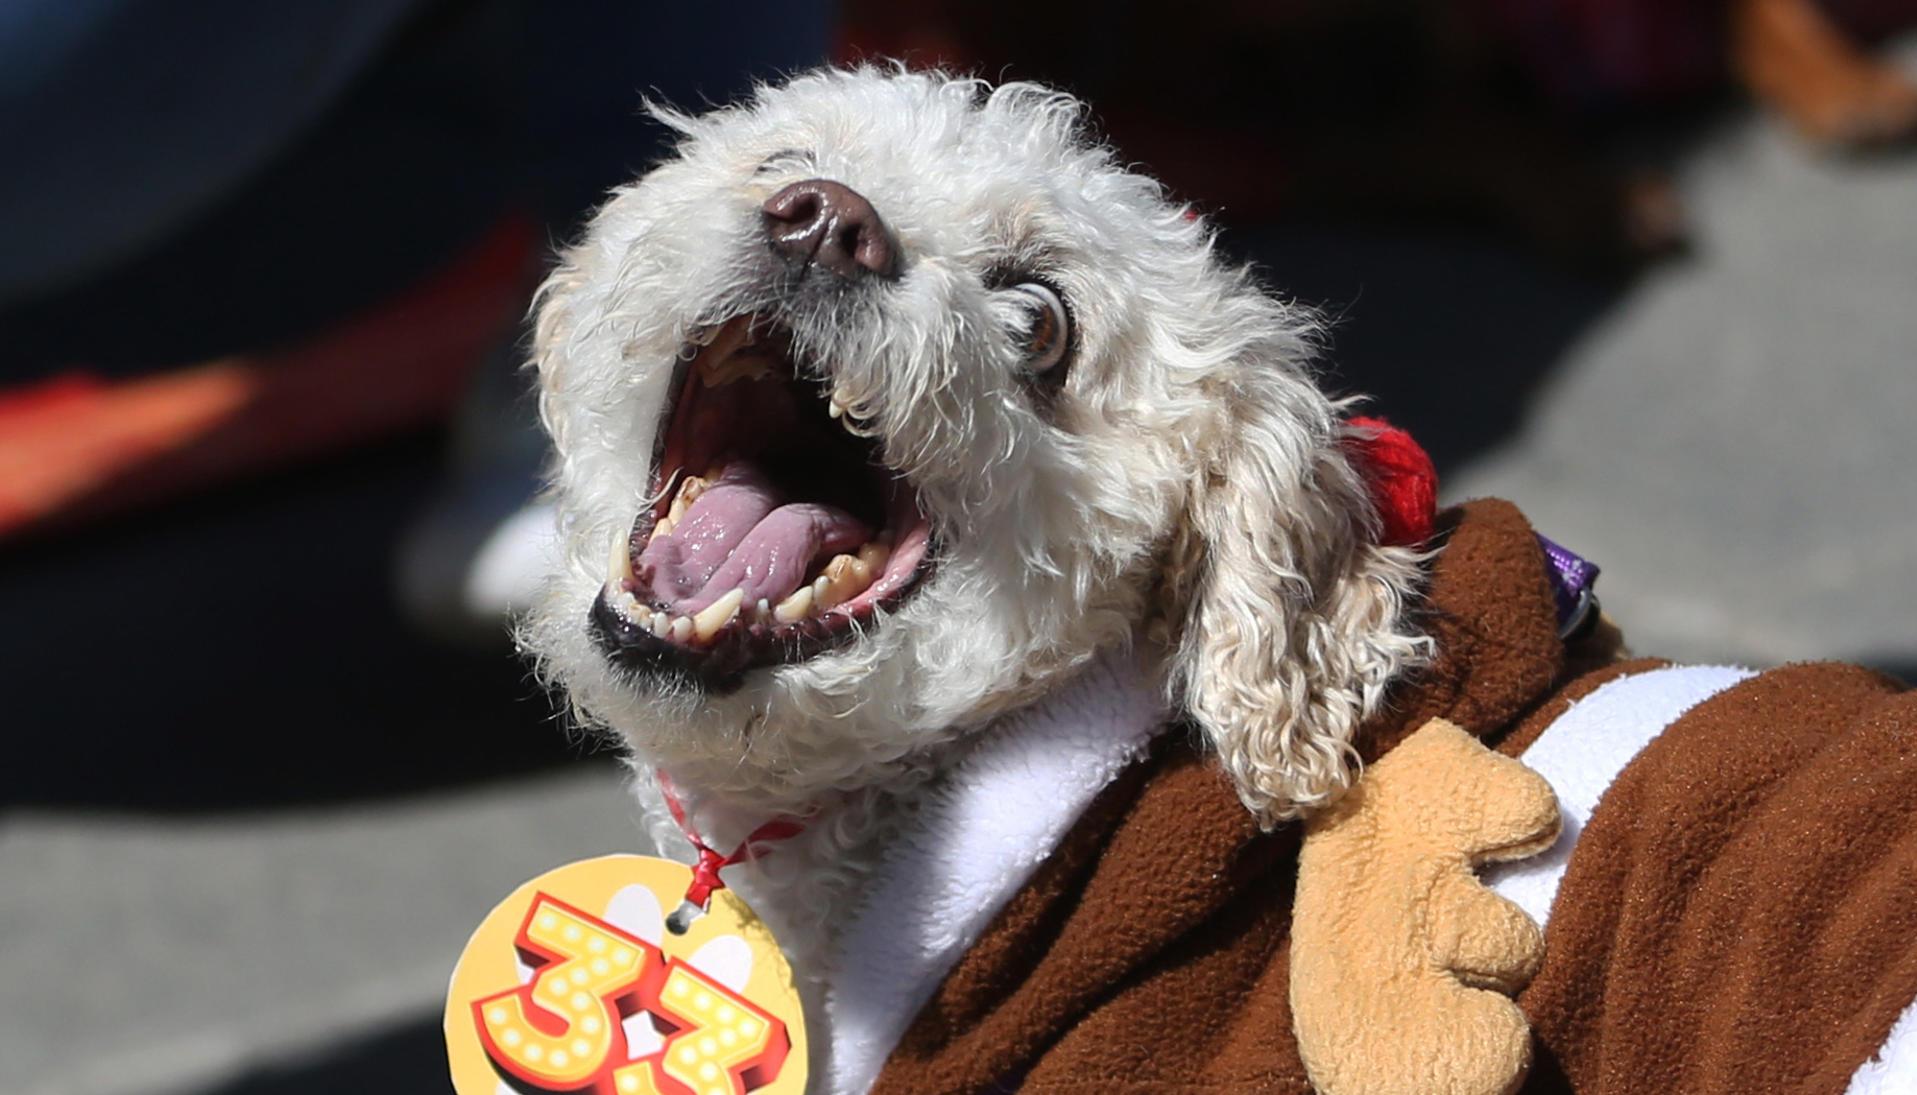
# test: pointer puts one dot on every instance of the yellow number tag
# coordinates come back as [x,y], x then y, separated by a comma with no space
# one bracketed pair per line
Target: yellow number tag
[574,985]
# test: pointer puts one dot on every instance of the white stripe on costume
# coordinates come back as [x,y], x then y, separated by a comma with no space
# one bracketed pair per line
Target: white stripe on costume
[1894,1070]
[1581,754]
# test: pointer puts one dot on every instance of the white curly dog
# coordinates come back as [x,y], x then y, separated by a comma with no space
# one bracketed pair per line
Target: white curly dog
[911,450]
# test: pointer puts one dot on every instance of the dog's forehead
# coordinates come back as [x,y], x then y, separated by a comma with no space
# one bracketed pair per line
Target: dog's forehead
[916,118]
[936,153]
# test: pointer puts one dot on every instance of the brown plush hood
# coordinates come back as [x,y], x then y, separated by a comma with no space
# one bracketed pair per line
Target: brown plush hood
[1150,952]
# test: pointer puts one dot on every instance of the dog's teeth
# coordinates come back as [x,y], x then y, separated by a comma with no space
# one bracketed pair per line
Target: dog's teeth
[852,567]
[762,610]
[845,577]
[839,407]
[682,630]
[663,528]
[747,367]
[689,492]
[661,624]
[737,365]
[874,555]
[794,608]
[629,607]
[717,614]
[619,567]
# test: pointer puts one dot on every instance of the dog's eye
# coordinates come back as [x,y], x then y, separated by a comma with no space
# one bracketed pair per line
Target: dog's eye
[783,158]
[1049,333]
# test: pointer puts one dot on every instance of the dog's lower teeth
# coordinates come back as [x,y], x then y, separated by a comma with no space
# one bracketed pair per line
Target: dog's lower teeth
[663,528]
[689,492]
[794,608]
[682,630]
[629,607]
[717,614]
[844,578]
[619,567]
[661,625]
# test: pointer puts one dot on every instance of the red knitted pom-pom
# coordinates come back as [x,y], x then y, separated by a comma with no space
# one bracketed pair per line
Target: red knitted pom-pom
[1403,481]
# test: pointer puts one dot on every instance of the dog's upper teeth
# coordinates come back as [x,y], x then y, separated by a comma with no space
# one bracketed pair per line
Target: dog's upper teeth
[717,614]
[736,366]
[839,406]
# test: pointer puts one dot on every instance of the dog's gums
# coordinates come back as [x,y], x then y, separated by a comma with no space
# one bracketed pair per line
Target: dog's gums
[775,531]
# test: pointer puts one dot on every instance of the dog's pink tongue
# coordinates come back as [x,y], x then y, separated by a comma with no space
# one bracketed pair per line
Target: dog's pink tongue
[679,565]
[773,559]
[736,535]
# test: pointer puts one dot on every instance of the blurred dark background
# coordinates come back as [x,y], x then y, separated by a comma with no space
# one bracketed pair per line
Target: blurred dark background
[267,468]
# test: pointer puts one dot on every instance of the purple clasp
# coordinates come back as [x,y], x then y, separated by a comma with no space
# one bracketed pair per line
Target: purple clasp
[1572,578]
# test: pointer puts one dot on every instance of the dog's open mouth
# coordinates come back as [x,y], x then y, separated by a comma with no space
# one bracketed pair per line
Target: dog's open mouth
[776,534]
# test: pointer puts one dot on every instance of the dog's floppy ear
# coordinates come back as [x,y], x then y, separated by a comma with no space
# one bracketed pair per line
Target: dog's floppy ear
[1289,617]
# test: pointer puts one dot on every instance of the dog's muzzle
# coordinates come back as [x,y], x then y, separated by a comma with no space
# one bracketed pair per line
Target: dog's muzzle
[775,531]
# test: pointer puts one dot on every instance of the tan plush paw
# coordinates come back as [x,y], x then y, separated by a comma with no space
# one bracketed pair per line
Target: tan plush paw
[1401,962]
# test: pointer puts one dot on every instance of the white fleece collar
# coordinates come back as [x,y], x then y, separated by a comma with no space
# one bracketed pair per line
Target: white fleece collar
[973,843]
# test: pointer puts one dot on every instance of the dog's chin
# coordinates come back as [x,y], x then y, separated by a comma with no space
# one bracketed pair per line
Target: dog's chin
[839,717]
[775,534]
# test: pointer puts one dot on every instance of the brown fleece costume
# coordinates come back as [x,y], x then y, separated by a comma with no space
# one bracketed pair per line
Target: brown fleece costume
[1740,913]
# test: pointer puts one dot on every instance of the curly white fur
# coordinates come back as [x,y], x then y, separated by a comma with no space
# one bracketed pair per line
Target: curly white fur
[1186,491]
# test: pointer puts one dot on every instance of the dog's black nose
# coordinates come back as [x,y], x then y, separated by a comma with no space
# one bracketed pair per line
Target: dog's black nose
[829,223]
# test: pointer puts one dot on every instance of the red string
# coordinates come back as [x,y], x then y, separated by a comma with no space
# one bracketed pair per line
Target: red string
[705,870]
